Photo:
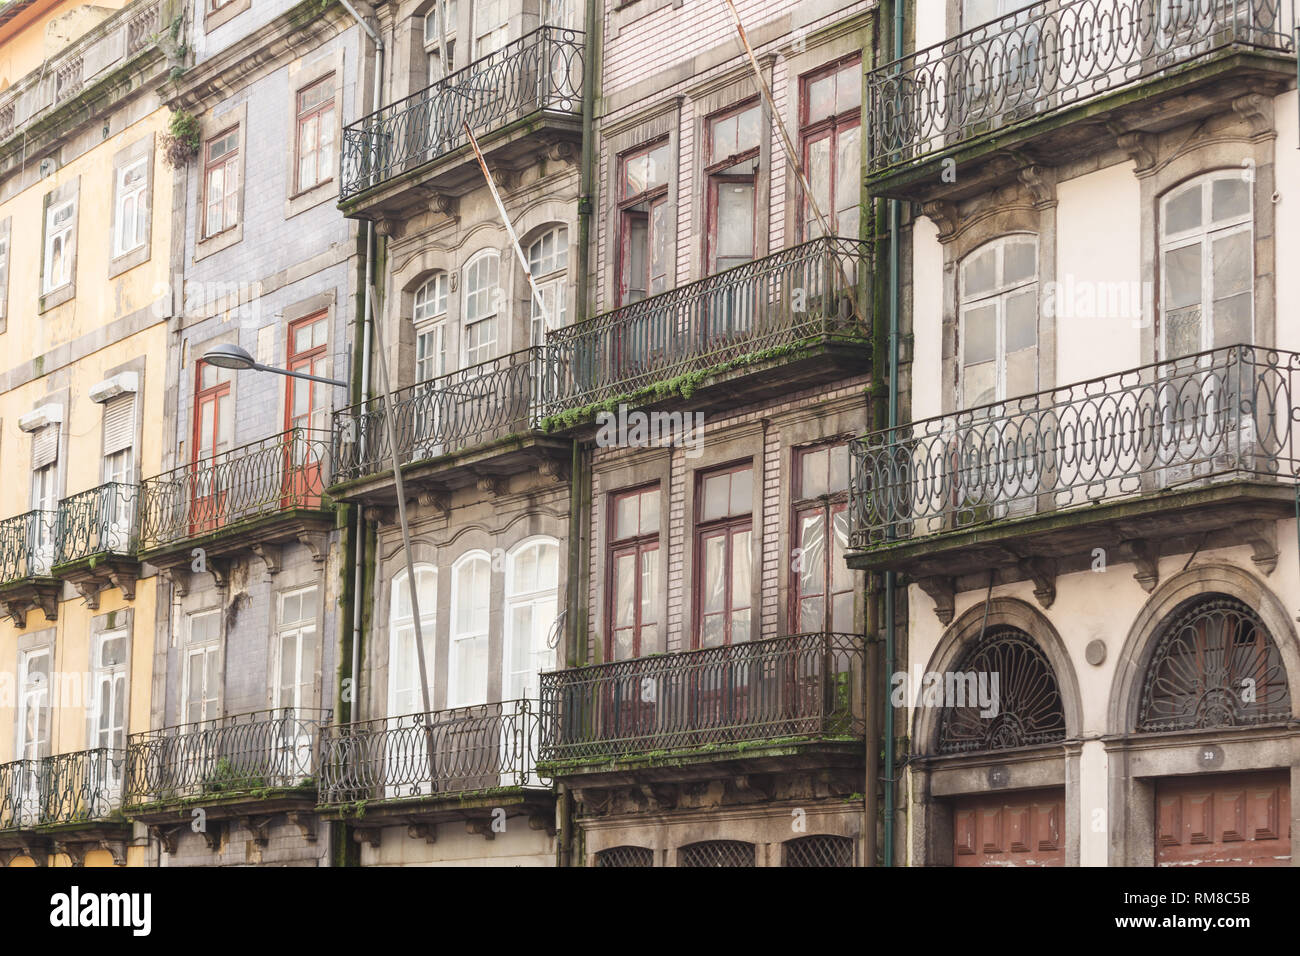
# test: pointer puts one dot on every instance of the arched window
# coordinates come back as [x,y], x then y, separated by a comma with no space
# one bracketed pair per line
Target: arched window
[467,670]
[626,856]
[1001,694]
[482,300]
[404,695]
[1214,665]
[548,261]
[532,604]
[1207,265]
[998,312]
[716,853]
[821,850]
[430,319]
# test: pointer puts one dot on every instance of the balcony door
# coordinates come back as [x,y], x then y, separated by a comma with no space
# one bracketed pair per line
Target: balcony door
[306,408]
[403,764]
[296,643]
[41,533]
[532,608]
[214,428]
[118,503]
[194,756]
[108,716]
[33,744]
[732,144]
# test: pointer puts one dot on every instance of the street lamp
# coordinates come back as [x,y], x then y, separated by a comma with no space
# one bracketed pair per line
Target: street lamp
[237,359]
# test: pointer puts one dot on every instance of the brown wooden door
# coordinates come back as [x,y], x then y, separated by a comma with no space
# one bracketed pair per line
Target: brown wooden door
[1010,829]
[1231,819]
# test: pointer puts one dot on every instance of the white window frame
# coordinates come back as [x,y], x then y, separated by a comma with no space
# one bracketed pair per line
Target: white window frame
[434,67]
[429,316]
[998,297]
[537,599]
[473,639]
[550,272]
[64,237]
[201,650]
[26,749]
[119,689]
[481,306]
[305,670]
[426,576]
[131,214]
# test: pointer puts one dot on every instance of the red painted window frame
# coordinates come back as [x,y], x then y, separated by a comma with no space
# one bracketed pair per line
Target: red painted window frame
[827,506]
[208,165]
[730,525]
[713,179]
[325,106]
[626,215]
[638,545]
[828,127]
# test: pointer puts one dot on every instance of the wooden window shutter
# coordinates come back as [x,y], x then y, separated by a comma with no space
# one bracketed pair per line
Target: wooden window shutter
[119,423]
[45,446]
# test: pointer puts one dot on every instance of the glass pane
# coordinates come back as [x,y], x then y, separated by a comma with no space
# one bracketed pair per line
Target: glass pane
[813,472]
[1022,320]
[715,596]
[1022,372]
[1183,211]
[979,273]
[821,97]
[848,88]
[649,511]
[659,247]
[625,590]
[742,492]
[812,554]
[625,516]
[842,615]
[839,477]
[810,614]
[1183,277]
[980,335]
[735,240]
[649,584]
[747,132]
[1229,198]
[819,180]
[1232,320]
[1019,261]
[716,496]
[740,626]
[978,386]
[1231,258]
[741,557]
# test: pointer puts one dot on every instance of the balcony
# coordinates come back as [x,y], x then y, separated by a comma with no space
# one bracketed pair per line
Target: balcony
[1167,458]
[804,309]
[72,798]
[452,430]
[269,757]
[525,96]
[483,757]
[254,497]
[27,550]
[757,706]
[1045,79]
[97,540]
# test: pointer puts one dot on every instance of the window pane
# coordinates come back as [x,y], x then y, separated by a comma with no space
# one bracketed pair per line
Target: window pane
[715,596]
[1022,320]
[1230,198]
[742,492]
[649,512]
[741,579]
[839,459]
[1183,277]
[625,590]
[821,97]
[1231,264]
[716,495]
[979,272]
[812,473]
[1019,262]
[812,554]
[1183,211]
[980,339]
[1022,372]
[979,384]
[625,516]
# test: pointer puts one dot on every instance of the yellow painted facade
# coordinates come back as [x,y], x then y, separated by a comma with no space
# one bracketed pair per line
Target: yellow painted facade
[60,354]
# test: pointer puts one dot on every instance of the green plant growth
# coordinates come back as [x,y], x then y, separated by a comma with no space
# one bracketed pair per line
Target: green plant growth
[226,777]
[182,140]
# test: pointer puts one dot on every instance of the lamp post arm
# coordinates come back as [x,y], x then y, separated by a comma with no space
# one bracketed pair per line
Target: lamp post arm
[310,378]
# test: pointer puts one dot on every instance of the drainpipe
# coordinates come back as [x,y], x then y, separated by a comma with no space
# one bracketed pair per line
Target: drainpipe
[894,230]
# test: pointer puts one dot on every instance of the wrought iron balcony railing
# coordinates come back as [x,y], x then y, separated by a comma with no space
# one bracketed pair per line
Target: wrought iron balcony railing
[1049,55]
[28,543]
[101,521]
[542,71]
[469,407]
[798,686]
[82,786]
[260,750]
[20,794]
[778,301]
[482,747]
[282,473]
[1216,415]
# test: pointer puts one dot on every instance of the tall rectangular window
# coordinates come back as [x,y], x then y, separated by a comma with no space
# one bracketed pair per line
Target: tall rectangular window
[471,600]
[430,320]
[221,183]
[60,227]
[732,144]
[822,588]
[295,649]
[44,498]
[315,134]
[433,26]
[998,316]
[548,261]
[132,214]
[830,123]
[119,438]
[4,273]
[202,656]
[34,704]
[108,719]
[482,302]
[307,404]
[724,506]
[634,575]
[643,223]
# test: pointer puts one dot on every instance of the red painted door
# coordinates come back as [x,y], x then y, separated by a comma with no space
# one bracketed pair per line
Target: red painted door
[1231,819]
[213,430]
[1010,829]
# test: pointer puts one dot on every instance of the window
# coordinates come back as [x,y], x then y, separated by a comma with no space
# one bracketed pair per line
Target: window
[108,717]
[471,596]
[34,704]
[60,227]
[548,261]
[643,223]
[1207,265]
[213,417]
[119,439]
[432,48]
[44,499]
[634,575]
[315,134]
[295,650]
[132,214]
[404,695]
[817,851]
[307,403]
[4,273]
[491,26]
[713,853]
[430,320]
[532,596]
[482,295]
[202,656]
[831,131]
[998,293]
[732,169]
[221,183]
[724,556]
[560,13]
[822,585]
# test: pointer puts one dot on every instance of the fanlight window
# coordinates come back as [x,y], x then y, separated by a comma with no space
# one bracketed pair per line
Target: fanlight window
[1214,665]
[821,850]
[625,856]
[1021,698]
[717,853]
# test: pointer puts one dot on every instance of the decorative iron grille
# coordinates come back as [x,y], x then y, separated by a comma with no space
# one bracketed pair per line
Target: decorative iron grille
[626,856]
[1024,701]
[1222,414]
[460,410]
[283,473]
[802,685]
[260,750]
[482,747]
[27,545]
[1050,55]
[716,853]
[805,292]
[101,521]
[20,797]
[1214,665]
[542,71]
[82,786]
[820,850]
